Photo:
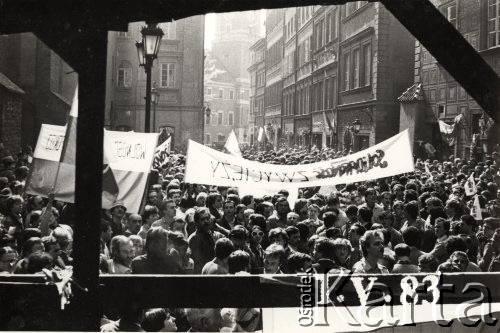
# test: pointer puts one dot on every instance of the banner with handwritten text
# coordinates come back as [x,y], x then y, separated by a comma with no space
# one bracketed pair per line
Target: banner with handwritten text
[388,158]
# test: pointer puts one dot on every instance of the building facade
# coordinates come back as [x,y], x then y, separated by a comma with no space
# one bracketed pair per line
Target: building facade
[227,81]
[36,87]
[257,71]
[339,64]
[177,77]
[439,96]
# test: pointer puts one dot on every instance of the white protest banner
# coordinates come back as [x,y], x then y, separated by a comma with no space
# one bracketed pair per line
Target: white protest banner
[388,158]
[261,134]
[232,145]
[470,186]
[46,159]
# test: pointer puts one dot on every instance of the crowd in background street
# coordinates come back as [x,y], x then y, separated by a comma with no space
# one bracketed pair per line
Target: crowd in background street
[417,222]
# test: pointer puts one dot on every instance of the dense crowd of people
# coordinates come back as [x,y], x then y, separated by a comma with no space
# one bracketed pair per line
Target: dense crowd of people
[418,222]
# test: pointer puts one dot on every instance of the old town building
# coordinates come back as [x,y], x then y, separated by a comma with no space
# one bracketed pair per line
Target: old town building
[257,71]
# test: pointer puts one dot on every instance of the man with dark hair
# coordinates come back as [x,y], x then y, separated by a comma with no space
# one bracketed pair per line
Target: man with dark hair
[134,223]
[442,231]
[457,243]
[333,202]
[412,237]
[355,233]
[372,247]
[53,248]
[168,210]
[365,216]
[324,255]
[372,205]
[156,260]
[219,266]
[412,216]
[293,234]
[279,218]
[227,220]
[387,221]
[403,264]
[201,242]
[238,262]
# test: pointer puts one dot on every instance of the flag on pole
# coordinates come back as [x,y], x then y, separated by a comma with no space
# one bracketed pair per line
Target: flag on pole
[475,211]
[470,186]
[161,154]
[232,145]
[261,134]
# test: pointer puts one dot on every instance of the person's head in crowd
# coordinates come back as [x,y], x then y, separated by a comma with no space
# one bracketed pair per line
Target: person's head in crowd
[214,201]
[248,201]
[232,196]
[284,193]
[238,235]
[372,244]
[370,197]
[156,243]
[52,247]
[448,267]
[333,201]
[342,251]
[398,209]
[293,235]
[427,263]
[398,191]
[355,233]
[158,320]
[274,256]
[152,198]
[256,235]
[313,211]
[204,320]
[34,203]
[278,236]
[435,213]
[324,249]
[352,213]
[441,227]
[386,199]
[118,210]
[292,218]
[402,252]
[134,223]
[167,208]
[412,236]
[282,206]
[460,259]
[106,231]
[33,244]
[178,224]
[410,195]
[387,261]
[229,209]
[201,199]
[455,243]
[267,209]
[332,233]
[386,219]
[364,215]
[329,219]
[175,195]
[137,244]
[223,248]
[247,212]
[489,226]
[240,214]
[300,207]
[411,210]
[258,220]
[8,260]
[238,261]
[37,261]
[122,250]
[151,214]
[14,204]
[299,262]
[453,209]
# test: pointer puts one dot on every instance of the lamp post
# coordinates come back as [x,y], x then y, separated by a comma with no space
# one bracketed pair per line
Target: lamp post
[206,113]
[155,98]
[147,51]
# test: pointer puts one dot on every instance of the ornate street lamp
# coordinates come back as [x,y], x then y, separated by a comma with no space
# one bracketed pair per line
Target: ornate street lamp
[147,51]
[356,124]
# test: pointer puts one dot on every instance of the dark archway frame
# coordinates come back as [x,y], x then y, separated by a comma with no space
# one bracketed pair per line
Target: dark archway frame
[77,31]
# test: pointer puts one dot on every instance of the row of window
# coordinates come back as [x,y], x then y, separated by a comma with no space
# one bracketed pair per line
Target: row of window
[305,14]
[289,28]
[167,75]
[325,30]
[356,66]
[304,51]
[274,54]
[272,94]
[353,6]
[303,96]
[220,118]
[324,94]
[446,94]
[219,93]
[169,30]
[220,138]
[257,105]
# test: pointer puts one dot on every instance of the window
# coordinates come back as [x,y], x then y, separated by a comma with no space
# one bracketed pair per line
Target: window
[123,34]
[221,137]
[169,29]
[213,118]
[208,138]
[167,75]
[221,93]
[462,94]
[209,91]
[124,77]
[320,96]
[452,93]
[351,7]
[355,68]
[231,94]
[493,23]
[207,119]
[347,71]
[328,31]
[366,65]
[319,34]
[230,119]
[432,95]
[219,118]
[450,12]
[333,24]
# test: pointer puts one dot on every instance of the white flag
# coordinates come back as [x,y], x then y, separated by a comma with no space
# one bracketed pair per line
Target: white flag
[470,186]
[475,211]
[232,145]
[161,154]
[261,134]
